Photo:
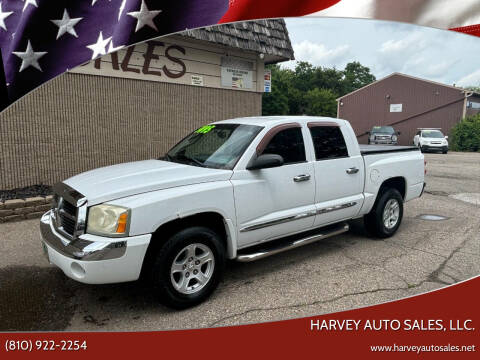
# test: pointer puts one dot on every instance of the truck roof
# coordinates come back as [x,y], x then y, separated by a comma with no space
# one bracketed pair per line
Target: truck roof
[270,121]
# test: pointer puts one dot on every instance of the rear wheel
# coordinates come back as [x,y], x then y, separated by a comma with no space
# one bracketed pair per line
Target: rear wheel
[386,215]
[188,267]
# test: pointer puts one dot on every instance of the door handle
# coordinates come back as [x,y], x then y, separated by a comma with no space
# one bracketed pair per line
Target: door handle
[352,171]
[300,178]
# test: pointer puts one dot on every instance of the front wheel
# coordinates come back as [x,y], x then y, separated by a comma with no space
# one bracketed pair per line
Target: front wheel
[386,215]
[188,267]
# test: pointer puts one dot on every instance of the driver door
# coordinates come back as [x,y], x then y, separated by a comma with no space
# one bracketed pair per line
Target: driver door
[276,202]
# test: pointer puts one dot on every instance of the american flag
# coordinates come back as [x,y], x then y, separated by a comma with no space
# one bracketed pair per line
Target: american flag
[40,39]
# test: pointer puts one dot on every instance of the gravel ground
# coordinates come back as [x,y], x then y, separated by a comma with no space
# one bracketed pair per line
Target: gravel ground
[340,273]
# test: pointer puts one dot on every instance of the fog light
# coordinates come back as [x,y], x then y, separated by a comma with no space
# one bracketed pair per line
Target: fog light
[77,270]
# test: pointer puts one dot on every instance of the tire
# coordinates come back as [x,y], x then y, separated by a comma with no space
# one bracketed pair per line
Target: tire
[444,151]
[374,220]
[178,287]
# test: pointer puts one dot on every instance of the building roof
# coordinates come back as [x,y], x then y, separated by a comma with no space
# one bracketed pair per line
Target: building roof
[410,77]
[269,37]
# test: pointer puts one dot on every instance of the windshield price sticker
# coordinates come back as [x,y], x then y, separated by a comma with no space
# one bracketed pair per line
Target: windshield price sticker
[205,129]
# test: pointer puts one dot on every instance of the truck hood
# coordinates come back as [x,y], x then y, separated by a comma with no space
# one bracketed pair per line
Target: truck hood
[122,180]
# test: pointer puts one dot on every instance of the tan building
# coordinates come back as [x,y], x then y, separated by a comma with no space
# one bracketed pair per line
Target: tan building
[136,103]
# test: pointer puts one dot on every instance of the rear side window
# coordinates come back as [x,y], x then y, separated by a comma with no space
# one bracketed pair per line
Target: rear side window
[328,142]
[288,144]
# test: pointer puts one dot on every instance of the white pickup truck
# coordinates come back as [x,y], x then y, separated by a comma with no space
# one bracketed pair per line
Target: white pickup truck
[240,189]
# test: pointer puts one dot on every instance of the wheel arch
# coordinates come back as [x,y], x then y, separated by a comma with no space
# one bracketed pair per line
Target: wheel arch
[209,219]
[399,183]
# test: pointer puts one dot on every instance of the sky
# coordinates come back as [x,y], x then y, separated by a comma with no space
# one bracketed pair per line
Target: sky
[387,47]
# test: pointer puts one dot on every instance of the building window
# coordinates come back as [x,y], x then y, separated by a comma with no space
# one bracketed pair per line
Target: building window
[328,142]
[473,105]
[289,145]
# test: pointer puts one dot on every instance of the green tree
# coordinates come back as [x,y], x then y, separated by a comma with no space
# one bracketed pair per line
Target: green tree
[321,102]
[465,136]
[356,77]
[473,88]
[295,91]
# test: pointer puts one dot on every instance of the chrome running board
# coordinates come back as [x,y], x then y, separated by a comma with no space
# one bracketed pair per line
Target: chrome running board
[278,246]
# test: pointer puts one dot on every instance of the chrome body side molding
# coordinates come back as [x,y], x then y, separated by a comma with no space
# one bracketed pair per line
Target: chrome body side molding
[279,221]
[335,208]
[298,217]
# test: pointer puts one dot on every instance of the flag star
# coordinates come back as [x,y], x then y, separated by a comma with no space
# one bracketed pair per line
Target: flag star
[99,47]
[66,25]
[145,17]
[29,2]
[29,57]
[3,16]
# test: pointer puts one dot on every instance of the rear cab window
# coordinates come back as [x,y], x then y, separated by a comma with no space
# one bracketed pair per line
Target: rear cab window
[328,141]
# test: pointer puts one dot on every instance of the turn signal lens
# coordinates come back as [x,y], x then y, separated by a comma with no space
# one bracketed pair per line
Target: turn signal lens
[122,223]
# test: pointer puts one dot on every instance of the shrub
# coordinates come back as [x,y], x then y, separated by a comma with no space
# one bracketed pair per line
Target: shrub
[465,136]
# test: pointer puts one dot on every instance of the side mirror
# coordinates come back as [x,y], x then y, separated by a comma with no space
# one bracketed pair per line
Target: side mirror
[368,132]
[265,161]
[446,137]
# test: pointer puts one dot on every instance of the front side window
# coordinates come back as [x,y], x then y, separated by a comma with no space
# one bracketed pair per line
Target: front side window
[289,145]
[328,142]
[217,146]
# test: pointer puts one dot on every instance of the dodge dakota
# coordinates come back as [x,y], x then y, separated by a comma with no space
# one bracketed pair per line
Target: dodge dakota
[241,189]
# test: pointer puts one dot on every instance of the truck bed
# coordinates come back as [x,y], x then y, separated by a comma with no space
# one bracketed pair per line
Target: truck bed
[382,149]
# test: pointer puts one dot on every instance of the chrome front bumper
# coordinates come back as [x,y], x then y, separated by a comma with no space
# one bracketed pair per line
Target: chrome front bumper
[80,249]
[94,259]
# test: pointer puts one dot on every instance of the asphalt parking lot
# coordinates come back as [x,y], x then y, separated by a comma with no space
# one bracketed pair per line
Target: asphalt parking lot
[340,273]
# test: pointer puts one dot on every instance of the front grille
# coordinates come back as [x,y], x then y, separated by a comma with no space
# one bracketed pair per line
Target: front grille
[67,214]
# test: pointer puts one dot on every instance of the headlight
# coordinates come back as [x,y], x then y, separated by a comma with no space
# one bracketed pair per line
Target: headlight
[394,138]
[109,220]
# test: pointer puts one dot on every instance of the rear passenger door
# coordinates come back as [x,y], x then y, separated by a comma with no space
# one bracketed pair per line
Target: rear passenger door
[275,202]
[339,174]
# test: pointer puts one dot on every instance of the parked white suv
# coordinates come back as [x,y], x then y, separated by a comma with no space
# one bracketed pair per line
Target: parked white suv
[431,140]
[240,189]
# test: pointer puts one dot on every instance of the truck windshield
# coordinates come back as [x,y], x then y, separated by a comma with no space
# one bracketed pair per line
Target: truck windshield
[435,134]
[216,146]
[383,130]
